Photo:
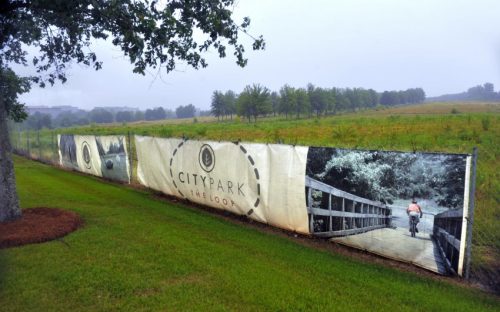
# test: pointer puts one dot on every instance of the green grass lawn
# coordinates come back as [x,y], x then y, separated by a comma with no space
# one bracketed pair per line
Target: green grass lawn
[137,252]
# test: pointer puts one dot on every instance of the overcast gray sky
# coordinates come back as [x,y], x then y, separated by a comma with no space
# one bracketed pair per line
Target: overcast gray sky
[443,46]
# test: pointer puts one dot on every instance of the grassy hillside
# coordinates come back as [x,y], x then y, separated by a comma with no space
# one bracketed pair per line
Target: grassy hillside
[442,127]
[442,108]
[439,127]
[137,252]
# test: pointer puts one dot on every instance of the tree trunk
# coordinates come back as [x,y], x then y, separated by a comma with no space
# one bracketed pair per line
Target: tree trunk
[9,204]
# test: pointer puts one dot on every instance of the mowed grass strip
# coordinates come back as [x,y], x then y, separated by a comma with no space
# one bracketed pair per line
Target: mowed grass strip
[137,252]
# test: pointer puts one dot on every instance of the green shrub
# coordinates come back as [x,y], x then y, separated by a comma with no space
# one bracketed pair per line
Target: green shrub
[485,122]
[201,132]
[165,132]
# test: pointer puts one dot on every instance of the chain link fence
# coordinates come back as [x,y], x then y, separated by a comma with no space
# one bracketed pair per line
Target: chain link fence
[36,145]
[485,250]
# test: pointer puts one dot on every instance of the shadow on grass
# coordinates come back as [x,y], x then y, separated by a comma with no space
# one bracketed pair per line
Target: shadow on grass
[3,268]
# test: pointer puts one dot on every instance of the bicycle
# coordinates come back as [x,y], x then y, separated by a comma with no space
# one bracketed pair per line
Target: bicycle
[413,225]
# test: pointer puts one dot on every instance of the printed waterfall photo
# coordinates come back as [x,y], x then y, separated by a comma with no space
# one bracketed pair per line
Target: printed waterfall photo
[405,206]
[67,152]
[102,156]
[114,159]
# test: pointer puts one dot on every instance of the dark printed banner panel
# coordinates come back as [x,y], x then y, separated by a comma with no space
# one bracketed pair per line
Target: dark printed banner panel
[102,156]
[411,207]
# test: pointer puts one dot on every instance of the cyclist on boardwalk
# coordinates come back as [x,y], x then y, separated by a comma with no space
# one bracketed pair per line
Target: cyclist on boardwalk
[414,210]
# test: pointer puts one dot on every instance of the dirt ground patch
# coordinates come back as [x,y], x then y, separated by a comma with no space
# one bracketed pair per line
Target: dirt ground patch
[38,225]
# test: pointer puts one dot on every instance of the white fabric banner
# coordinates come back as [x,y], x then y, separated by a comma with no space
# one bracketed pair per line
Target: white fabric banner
[410,207]
[102,156]
[265,182]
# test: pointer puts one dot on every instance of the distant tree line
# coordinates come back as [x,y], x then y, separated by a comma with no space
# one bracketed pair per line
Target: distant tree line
[256,100]
[223,104]
[485,92]
[187,111]
[253,102]
[65,119]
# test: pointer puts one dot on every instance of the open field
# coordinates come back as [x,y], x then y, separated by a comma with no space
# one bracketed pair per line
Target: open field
[439,127]
[443,108]
[430,127]
[138,252]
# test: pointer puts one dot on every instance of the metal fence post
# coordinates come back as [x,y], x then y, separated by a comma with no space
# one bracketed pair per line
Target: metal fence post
[19,142]
[53,147]
[39,145]
[28,142]
[470,219]
[130,157]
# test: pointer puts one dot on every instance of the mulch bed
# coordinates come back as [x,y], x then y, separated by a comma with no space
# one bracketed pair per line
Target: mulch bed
[38,225]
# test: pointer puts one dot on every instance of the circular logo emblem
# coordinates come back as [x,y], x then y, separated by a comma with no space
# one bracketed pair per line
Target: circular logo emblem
[86,155]
[207,158]
[220,189]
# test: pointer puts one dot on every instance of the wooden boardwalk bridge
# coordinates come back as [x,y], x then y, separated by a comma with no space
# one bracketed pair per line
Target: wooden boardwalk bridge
[398,244]
[364,224]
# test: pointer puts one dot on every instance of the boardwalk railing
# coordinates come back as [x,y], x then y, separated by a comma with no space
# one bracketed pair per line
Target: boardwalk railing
[447,231]
[333,212]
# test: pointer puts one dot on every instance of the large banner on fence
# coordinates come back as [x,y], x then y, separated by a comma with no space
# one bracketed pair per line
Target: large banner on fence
[263,181]
[102,156]
[410,207]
